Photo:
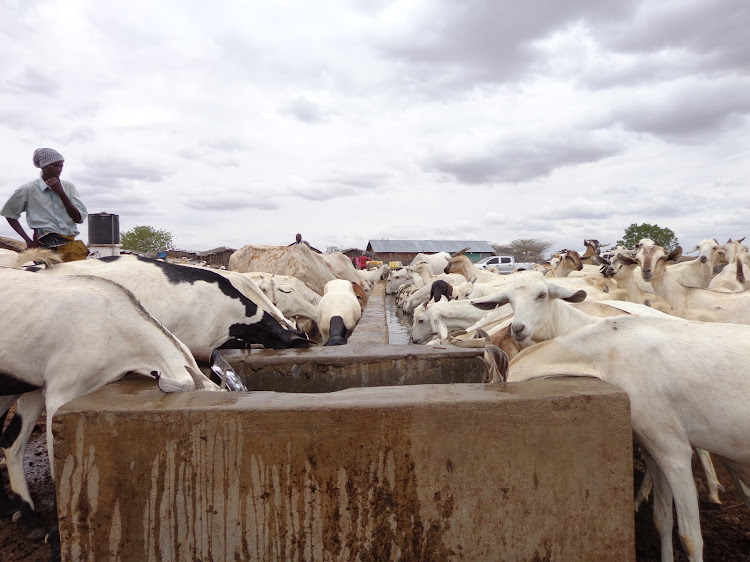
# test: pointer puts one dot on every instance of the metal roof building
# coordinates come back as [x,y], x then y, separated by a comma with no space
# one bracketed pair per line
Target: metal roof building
[406,250]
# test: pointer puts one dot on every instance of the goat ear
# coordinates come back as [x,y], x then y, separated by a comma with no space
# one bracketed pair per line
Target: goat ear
[440,328]
[675,254]
[497,362]
[461,252]
[578,296]
[491,302]
[482,334]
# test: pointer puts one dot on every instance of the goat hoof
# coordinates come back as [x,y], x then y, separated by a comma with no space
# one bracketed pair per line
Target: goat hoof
[36,534]
[16,516]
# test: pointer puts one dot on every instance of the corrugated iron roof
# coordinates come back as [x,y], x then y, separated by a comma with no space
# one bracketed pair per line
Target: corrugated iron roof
[430,246]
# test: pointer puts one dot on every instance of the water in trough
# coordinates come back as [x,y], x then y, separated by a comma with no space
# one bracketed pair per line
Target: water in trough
[399,323]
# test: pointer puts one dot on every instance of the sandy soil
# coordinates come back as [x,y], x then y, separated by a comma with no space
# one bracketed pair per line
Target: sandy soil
[726,530]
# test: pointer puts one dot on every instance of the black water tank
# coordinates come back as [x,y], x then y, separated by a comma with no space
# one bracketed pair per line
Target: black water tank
[104,228]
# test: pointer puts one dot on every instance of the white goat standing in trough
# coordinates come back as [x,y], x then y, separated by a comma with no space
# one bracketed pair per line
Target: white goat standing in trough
[63,337]
[688,387]
[372,276]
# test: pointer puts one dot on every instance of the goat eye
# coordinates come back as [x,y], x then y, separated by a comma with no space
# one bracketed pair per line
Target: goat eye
[542,296]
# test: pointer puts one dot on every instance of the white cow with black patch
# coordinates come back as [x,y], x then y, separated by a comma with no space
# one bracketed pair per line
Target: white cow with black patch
[200,306]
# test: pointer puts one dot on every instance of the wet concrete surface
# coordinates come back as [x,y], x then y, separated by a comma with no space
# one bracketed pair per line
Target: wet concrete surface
[370,358]
[372,327]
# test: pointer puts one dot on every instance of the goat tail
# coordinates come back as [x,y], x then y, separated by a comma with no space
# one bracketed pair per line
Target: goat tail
[47,257]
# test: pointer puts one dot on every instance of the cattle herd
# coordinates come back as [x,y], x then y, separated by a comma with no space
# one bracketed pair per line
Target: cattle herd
[674,334]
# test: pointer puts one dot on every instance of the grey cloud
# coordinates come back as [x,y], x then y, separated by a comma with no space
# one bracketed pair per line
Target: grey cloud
[232,203]
[305,110]
[227,144]
[122,203]
[216,152]
[713,32]
[322,192]
[113,173]
[478,41]
[519,162]
[36,81]
[339,185]
[686,112]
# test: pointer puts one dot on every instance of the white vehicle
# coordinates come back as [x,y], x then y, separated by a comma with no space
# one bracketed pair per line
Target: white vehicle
[503,264]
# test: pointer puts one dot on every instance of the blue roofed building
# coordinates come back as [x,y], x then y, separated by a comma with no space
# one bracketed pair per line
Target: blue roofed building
[405,250]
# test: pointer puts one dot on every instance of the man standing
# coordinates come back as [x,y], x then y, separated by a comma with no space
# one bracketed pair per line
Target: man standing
[53,209]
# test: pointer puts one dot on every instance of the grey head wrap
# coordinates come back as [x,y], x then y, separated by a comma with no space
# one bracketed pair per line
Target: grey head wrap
[46,156]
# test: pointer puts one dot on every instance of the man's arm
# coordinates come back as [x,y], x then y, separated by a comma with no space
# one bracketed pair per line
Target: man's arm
[15,224]
[56,186]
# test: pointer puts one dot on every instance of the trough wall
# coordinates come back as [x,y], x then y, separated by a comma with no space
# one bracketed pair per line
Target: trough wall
[533,471]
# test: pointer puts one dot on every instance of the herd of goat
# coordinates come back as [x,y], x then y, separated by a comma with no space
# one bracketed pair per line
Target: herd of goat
[673,334]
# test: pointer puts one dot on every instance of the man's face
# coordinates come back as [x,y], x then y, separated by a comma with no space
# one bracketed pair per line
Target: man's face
[53,170]
[299,237]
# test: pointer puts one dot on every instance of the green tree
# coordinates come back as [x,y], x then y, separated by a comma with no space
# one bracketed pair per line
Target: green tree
[145,239]
[524,249]
[663,237]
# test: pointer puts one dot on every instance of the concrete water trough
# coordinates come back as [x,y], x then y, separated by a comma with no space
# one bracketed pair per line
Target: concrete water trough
[359,452]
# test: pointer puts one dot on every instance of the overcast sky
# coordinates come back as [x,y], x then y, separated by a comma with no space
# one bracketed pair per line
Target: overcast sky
[244,122]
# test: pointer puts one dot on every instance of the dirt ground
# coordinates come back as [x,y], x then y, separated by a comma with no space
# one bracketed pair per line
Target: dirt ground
[726,530]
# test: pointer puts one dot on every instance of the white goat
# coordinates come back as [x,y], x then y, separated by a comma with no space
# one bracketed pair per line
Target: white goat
[689,302]
[83,333]
[443,317]
[735,277]
[732,248]
[698,272]
[396,279]
[372,276]
[422,294]
[688,387]
[542,311]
